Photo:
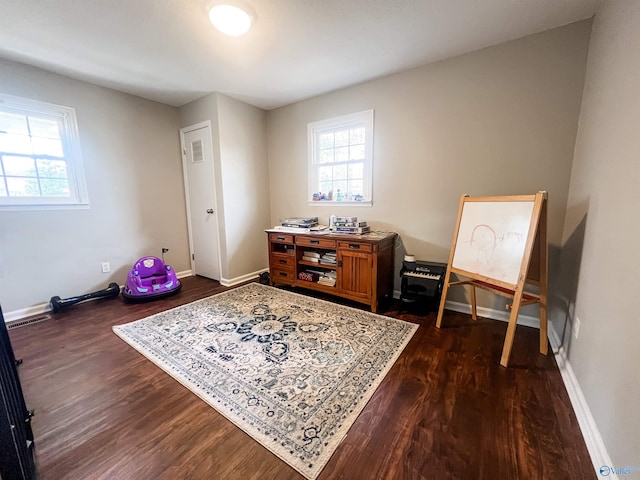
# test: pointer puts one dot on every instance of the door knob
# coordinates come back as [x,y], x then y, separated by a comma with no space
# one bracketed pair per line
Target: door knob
[210,210]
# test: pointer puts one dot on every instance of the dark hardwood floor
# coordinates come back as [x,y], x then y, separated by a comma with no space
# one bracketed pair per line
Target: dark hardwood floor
[446,410]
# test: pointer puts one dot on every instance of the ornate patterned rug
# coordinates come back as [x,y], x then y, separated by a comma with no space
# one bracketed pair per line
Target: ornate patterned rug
[292,371]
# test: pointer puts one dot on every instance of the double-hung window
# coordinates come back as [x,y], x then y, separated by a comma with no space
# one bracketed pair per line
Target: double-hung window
[40,161]
[341,160]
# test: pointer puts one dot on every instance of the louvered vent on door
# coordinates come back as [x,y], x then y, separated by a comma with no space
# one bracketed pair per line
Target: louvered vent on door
[197,155]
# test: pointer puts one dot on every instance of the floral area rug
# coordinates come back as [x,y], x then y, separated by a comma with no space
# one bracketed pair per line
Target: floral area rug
[292,371]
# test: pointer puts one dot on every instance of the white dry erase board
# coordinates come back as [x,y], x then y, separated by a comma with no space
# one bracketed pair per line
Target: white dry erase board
[500,244]
[492,237]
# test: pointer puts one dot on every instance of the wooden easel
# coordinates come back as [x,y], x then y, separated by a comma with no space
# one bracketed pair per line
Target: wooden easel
[502,268]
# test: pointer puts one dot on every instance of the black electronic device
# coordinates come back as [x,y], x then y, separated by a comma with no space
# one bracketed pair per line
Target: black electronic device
[421,284]
[57,304]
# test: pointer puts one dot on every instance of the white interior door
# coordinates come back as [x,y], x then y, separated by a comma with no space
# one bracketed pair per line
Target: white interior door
[199,178]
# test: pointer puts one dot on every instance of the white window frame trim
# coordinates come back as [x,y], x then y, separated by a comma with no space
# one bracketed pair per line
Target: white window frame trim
[314,129]
[79,197]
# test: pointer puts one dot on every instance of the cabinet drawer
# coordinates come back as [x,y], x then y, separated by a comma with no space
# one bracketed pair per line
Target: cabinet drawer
[359,247]
[282,276]
[316,242]
[280,260]
[281,238]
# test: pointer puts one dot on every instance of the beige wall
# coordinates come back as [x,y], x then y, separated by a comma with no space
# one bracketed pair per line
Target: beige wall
[243,154]
[131,152]
[240,145]
[498,121]
[600,259]
[502,120]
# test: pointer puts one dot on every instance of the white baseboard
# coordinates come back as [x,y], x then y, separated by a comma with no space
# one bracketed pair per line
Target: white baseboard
[595,445]
[230,282]
[15,315]
[526,320]
[460,307]
[185,273]
[592,438]
[42,308]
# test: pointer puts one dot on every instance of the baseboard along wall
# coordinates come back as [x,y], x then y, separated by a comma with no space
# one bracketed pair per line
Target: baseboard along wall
[42,308]
[230,282]
[593,440]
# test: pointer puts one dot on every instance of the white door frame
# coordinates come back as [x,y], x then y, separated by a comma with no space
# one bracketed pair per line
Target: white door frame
[183,154]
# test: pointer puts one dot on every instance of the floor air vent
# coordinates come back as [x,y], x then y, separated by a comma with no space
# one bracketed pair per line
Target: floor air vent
[28,321]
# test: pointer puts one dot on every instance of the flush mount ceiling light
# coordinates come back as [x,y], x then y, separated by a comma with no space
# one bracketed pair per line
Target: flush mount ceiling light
[230,17]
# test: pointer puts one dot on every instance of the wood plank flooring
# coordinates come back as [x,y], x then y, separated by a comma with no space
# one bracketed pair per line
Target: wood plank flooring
[446,410]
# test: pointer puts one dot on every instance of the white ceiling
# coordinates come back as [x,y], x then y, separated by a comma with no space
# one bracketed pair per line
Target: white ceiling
[166,50]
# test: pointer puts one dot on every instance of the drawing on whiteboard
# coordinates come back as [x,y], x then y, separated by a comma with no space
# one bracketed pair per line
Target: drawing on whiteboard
[483,240]
[491,239]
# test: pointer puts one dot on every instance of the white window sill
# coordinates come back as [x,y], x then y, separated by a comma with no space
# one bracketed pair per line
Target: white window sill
[335,203]
[62,206]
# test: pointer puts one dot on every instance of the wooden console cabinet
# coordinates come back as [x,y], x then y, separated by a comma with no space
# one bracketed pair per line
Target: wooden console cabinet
[364,267]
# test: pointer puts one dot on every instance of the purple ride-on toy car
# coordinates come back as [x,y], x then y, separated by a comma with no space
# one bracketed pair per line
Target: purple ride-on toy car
[150,279]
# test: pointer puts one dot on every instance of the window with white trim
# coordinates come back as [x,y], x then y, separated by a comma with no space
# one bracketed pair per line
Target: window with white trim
[40,161]
[341,160]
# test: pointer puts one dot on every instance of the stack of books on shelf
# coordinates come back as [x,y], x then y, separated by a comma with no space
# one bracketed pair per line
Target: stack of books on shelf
[310,256]
[349,225]
[328,279]
[306,222]
[328,258]
[300,225]
[308,276]
[323,277]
